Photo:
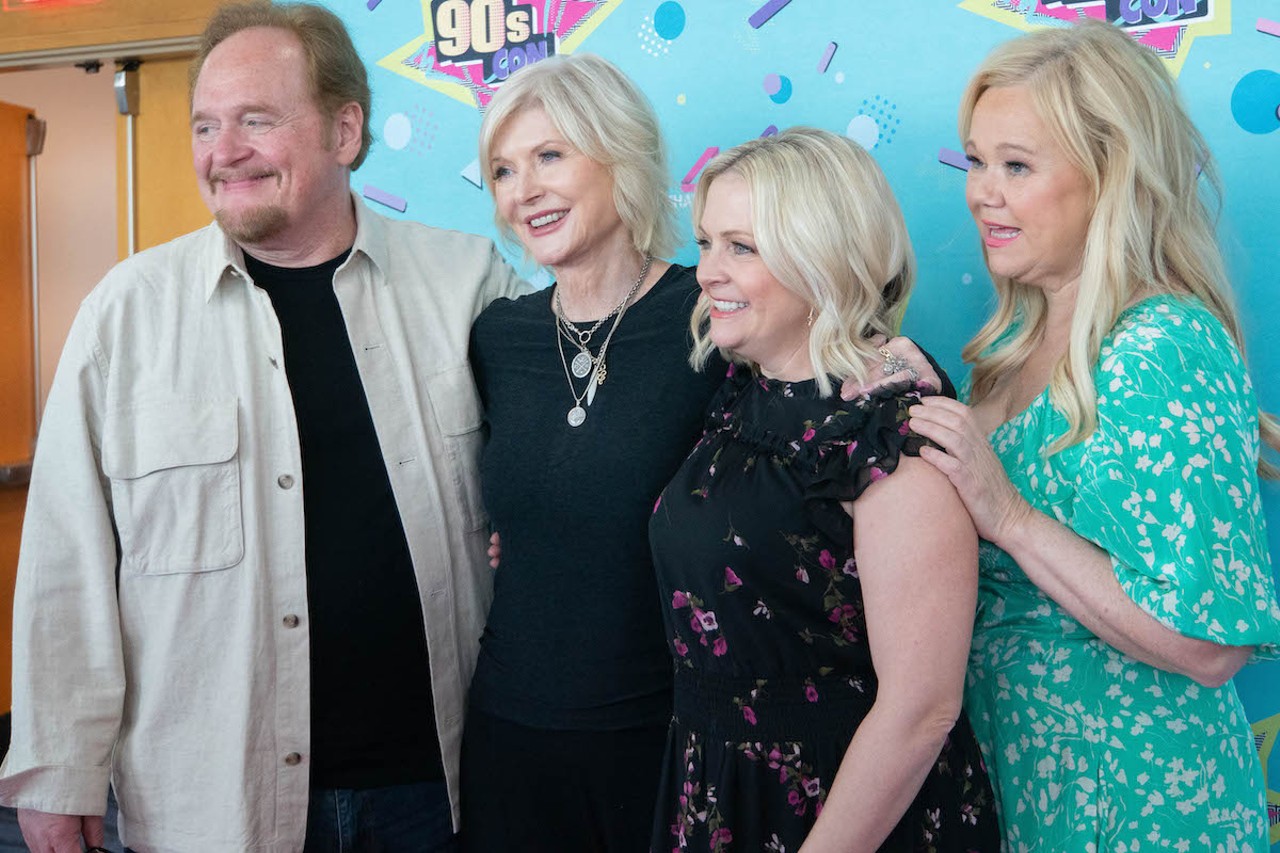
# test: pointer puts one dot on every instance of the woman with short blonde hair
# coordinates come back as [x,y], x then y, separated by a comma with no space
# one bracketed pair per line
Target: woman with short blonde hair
[818,579]
[590,405]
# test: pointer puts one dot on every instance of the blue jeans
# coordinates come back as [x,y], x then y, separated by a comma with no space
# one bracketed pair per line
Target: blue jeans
[397,819]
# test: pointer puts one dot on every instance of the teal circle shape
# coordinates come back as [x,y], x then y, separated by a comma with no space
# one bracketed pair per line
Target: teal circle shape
[668,20]
[1255,102]
[783,94]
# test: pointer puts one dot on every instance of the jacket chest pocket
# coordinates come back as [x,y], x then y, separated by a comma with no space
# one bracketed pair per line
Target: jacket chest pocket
[175,485]
[456,408]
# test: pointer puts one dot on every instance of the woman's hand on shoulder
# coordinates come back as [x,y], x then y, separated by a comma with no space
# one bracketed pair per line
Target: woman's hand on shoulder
[971,465]
[905,362]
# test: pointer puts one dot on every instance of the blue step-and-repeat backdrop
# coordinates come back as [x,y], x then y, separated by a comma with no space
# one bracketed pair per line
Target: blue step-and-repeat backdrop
[887,73]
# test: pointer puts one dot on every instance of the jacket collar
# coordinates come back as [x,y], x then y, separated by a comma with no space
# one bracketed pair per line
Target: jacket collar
[221,259]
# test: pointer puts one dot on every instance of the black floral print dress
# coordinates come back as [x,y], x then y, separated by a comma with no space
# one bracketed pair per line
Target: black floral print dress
[764,619]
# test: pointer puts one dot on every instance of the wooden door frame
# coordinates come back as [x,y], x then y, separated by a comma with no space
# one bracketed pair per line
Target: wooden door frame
[107,54]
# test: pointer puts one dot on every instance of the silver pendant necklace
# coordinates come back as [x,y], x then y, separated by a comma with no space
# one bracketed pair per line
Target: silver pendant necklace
[584,364]
[581,365]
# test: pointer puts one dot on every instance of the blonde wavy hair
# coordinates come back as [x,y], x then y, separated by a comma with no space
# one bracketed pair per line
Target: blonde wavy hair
[1114,109]
[602,113]
[829,229]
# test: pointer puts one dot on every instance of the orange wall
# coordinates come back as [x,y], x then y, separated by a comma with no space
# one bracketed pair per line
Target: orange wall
[76,192]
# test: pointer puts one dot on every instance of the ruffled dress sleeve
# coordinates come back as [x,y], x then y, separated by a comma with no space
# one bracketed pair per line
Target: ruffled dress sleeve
[1167,484]
[858,445]
[862,445]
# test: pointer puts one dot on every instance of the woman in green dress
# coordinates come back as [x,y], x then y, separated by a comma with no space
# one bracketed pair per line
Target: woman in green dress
[1109,456]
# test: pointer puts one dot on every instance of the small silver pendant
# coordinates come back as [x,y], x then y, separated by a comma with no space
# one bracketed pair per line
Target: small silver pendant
[576,416]
[581,365]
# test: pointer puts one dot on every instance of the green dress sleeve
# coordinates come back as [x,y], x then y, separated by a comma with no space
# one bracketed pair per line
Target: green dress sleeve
[1168,483]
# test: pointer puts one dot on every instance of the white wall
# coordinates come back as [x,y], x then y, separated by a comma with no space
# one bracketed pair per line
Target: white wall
[75,192]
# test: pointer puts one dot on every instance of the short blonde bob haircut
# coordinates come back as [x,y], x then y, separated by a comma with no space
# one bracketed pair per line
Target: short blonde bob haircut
[829,229]
[605,116]
[1114,109]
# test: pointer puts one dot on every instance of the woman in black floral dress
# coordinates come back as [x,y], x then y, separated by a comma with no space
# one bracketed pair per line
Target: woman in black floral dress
[818,578]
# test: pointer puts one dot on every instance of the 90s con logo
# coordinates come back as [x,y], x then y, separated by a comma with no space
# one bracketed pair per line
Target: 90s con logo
[502,36]
[1147,13]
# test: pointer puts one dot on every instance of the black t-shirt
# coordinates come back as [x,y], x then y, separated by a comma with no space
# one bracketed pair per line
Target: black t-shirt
[574,638]
[372,722]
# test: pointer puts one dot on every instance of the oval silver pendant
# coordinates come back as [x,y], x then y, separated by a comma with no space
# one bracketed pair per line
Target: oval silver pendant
[576,416]
[581,365]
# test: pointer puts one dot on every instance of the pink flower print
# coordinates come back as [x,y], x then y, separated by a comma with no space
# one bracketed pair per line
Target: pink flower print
[749,714]
[707,618]
[719,647]
[793,797]
[696,625]
[903,429]
[802,574]
[680,647]
[811,693]
[841,611]
[850,568]
[720,836]
[853,445]
[678,600]
[808,434]
[732,369]
[827,561]
[731,579]
[811,786]
[877,474]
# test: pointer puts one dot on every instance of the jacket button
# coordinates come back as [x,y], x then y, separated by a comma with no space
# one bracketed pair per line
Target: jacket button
[284,481]
[291,621]
[292,759]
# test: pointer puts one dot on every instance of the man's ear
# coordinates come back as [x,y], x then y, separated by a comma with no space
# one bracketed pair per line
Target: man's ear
[348,130]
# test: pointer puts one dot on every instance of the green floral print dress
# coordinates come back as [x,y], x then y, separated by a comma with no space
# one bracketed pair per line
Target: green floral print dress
[1091,751]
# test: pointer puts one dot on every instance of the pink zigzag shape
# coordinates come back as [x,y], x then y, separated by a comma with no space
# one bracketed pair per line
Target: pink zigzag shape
[573,11]
[1162,38]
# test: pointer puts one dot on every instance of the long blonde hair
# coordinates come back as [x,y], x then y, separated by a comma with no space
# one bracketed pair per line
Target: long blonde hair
[1114,109]
[828,228]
